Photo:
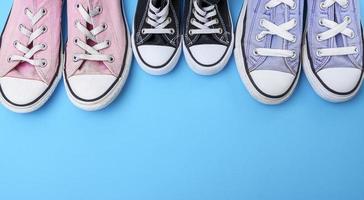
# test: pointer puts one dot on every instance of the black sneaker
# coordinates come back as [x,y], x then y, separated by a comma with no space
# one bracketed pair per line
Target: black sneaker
[157,36]
[208,37]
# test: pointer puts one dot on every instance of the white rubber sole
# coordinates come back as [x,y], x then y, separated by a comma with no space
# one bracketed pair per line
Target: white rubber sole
[211,70]
[114,92]
[157,71]
[320,89]
[244,74]
[37,105]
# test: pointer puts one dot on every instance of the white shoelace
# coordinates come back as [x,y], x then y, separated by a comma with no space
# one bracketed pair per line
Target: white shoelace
[32,35]
[334,30]
[277,30]
[92,52]
[159,20]
[204,18]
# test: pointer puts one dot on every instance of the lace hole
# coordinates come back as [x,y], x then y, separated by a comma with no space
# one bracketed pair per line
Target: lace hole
[111,59]
[44,46]
[108,43]
[321,22]
[352,35]
[15,43]
[99,9]
[44,11]
[44,29]
[294,55]
[347,19]
[104,26]
[75,41]
[78,5]
[172,31]
[322,6]
[294,39]
[9,59]
[319,53]
[43,63]
[190,32]
[75,59]
[319,38]
[143,31]
[255,52]
[221,31]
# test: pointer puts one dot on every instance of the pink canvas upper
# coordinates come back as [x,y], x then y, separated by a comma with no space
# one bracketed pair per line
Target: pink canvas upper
[115,32]
[51,38]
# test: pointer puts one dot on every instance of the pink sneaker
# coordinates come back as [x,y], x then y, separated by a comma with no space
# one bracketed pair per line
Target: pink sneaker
[31,54]
[98,52]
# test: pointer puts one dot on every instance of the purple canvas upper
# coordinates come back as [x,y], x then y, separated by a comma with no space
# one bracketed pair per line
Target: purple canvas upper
[256,11]
[51,21]
[336,13]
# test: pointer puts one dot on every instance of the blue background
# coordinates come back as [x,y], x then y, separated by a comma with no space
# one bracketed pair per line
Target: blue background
[184,137]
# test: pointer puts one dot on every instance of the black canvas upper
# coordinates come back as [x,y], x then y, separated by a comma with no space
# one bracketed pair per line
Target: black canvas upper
[141,15]
[223,15]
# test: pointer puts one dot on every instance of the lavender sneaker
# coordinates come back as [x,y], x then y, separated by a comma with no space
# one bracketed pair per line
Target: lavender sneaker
[333,50]
[268,48]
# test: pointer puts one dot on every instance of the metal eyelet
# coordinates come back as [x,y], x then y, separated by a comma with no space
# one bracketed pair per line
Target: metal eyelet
[294,39]
[322,6]
[321,22]
[75,59]
[99,9]
[221,31]
[255,52]
[44,11]
[111,59]
[172,31]
[15,43]
[318,53]
[190,32]
[143,31]
[294,55]
[44,29]
[347,19]
[9,59]
[261,22]
[356,50]
[108,43]
[44,46]
[319,38]
[104,26]
[75,41]
[352,35]
[43,63]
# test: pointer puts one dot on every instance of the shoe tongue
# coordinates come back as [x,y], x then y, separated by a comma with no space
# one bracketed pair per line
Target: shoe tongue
[159,3]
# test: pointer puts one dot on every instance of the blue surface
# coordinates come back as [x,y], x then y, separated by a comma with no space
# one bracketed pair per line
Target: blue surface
[184,137]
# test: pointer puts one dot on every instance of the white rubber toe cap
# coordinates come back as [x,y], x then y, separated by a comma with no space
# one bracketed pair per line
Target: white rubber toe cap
[341,80]
[273,83]
[208,54]
[90,87]
[22,91]
[156,56]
